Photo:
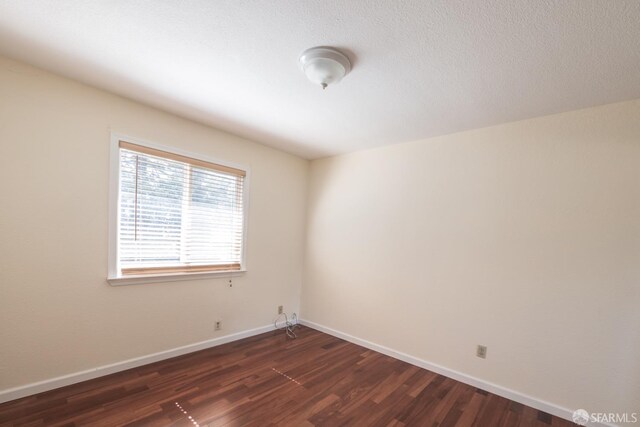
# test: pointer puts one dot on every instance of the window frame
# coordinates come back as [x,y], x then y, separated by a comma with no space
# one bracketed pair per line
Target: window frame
[114,274]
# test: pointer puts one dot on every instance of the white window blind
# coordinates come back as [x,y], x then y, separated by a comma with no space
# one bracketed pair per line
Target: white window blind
[177,214]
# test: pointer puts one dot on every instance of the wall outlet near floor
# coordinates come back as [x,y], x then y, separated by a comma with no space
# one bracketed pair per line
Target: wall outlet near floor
[218,325]
[481,351]
[280,309]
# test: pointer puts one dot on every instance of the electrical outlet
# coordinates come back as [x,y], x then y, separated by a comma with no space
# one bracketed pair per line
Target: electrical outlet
[481,352]
[218,325]
[280,309]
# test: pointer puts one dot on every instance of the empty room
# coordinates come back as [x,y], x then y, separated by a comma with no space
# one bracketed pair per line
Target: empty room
[320,213]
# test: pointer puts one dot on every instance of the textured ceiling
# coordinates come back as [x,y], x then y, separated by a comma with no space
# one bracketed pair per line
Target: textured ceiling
[421,68]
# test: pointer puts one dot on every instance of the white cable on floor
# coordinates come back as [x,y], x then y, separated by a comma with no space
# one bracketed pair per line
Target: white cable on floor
[289,326]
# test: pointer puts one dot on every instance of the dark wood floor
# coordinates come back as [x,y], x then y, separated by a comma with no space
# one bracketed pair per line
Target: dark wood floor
[268,380]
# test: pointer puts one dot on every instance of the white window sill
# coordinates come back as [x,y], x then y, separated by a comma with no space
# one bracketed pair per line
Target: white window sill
[175,277]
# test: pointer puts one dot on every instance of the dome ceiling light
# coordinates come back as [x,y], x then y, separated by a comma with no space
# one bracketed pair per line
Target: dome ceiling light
[324,65]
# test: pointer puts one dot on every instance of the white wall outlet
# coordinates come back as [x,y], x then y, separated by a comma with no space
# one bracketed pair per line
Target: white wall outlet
[481,351]
[218,325]
[280,309]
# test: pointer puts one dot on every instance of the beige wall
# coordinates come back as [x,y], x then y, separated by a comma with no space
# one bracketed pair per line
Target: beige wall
[58,315]
[524,237]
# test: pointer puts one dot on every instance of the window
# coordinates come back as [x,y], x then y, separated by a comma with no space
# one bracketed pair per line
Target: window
[176,214]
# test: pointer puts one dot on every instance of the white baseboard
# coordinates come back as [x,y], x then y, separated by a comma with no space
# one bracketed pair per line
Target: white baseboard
[535,403]
[57,382]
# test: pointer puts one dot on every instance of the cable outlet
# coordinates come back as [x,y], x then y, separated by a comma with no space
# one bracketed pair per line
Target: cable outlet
[481,351]
[280,309]
[218,325]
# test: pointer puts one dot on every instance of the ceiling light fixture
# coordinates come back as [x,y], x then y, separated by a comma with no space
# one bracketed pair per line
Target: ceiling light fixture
[324,65]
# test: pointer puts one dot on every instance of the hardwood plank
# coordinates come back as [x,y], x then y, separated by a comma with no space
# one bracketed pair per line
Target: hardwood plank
[269,380]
